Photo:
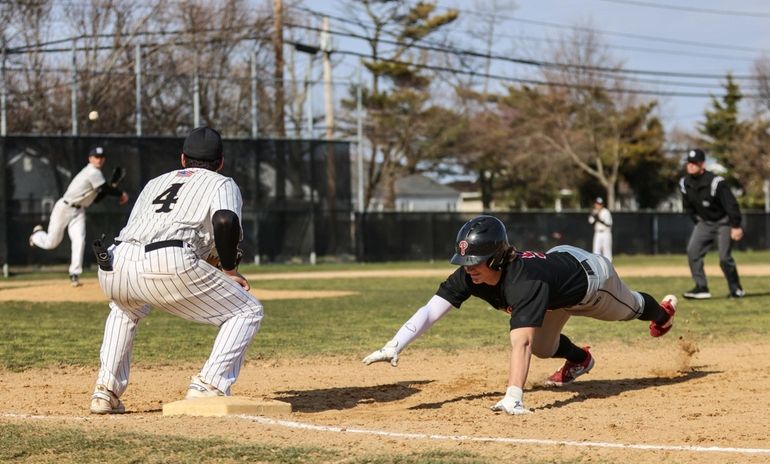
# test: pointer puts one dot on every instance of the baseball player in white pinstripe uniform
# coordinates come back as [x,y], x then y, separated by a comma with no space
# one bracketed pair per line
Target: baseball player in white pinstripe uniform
[159,259]
[87,187]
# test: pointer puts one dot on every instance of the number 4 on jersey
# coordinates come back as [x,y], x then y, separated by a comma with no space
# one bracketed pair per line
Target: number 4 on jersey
[167,198]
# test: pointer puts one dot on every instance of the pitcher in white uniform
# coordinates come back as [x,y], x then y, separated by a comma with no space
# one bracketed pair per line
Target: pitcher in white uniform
[87,187]
[159,259]
[601,218]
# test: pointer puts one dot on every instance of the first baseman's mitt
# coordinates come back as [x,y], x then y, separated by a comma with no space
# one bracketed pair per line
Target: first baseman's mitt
[213,259]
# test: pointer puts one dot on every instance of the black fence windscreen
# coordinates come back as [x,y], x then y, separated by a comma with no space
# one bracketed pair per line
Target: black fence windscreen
[296,193]
[431,236]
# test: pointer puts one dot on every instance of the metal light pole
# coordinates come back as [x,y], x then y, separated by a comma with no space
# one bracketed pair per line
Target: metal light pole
[138,90]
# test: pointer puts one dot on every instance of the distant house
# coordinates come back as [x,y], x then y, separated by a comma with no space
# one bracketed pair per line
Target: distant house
[419,193]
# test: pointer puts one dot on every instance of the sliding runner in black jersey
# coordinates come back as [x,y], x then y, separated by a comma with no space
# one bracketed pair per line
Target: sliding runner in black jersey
[540,291]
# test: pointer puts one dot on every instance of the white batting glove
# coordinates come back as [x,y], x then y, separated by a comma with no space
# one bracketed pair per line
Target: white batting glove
[386,353]
[512,403]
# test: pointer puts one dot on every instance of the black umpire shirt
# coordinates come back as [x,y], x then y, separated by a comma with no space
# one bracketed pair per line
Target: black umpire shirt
[530,284]
[709,197]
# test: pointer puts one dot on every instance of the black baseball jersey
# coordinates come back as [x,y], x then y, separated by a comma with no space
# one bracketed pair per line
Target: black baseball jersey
[530,284]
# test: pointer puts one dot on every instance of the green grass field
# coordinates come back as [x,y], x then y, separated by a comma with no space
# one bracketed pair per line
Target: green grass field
[35,335]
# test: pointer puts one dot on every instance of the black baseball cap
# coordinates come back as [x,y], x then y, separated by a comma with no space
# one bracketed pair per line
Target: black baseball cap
[696,155]
[97,151]
[203,144]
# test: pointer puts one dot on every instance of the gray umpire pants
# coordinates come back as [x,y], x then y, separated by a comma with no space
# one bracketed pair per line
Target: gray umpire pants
[702,239]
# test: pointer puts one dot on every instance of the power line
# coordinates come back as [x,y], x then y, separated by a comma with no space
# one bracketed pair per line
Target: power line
[534,81]
[692,9]
[443,49]
[613,33]
[544,39]
[530,62]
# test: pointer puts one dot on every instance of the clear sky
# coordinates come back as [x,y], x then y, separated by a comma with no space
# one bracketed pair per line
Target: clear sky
[704,37]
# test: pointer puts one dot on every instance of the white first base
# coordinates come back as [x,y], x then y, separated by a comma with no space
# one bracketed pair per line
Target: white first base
[225,406]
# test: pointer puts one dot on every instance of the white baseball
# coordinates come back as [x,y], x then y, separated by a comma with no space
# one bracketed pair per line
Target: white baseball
[93,115]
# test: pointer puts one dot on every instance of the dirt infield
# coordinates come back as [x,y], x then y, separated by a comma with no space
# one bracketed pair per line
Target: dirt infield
[662,400]
[662,397]
[60,290]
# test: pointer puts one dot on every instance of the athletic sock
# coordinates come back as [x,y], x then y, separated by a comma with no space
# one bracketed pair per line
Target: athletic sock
[652,310]
[569,351]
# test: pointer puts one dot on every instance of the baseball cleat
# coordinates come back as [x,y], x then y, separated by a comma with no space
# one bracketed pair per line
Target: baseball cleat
[75,280]
[104,401]
[200,389]
[737,293]
[570,371]
[668,304]
[698,293]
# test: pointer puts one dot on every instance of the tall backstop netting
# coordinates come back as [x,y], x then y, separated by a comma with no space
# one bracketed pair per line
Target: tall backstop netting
[296,193]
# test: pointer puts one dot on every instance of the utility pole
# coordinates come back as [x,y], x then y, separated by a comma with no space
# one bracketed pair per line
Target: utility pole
[326,48]
[278,72]
[331,184]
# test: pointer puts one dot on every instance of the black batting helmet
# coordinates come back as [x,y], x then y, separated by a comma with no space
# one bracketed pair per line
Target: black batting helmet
[482,239]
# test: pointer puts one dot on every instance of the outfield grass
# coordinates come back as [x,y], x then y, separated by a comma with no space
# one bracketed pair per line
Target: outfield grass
[45,334]
[19,443]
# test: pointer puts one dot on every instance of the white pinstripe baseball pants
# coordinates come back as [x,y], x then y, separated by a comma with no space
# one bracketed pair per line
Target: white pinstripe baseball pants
[174,280]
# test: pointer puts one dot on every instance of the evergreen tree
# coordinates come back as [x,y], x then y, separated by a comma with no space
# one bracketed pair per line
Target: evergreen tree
[721,128]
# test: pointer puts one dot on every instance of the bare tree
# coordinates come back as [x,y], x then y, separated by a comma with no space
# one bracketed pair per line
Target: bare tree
[585,113]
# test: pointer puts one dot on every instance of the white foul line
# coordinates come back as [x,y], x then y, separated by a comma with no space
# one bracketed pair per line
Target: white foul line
[467,438]
[518,441]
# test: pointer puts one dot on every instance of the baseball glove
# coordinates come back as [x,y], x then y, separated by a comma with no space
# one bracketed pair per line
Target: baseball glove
[213,259]
[118,173]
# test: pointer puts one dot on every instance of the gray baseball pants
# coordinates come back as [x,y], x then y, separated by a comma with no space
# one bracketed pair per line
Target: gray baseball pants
[703,237]
[607,299]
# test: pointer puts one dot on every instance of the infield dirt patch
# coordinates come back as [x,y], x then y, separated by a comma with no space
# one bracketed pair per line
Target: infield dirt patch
[665,392]
[61,290]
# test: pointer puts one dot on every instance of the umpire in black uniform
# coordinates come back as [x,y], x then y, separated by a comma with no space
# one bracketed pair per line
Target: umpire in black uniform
[711,204]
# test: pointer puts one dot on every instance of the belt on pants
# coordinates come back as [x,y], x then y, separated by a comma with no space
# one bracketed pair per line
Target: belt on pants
[587,268]
[72,204]
[158,245]
[163,244]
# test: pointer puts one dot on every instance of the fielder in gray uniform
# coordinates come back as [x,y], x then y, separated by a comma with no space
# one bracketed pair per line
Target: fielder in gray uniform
[711,204]
[179,220]
[69,212]
[540,291]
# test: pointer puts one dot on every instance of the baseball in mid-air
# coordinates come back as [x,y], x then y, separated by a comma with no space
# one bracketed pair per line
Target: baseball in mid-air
[93,115]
